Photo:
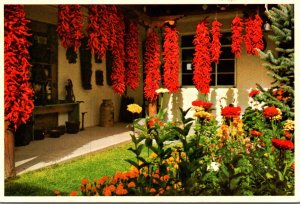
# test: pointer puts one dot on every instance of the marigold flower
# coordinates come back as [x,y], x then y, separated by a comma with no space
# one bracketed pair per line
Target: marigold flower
[289,125]
[134,108]
[203,115]
[166,177]
[231,111]
[253,92]
[112,188]
[293,166]
[152,121]
[84,181]
[283,144]
[255,133]
[106,191]
[288,135]
[120,190]
[204,104]
[152,190]
[73,193]
[131,184]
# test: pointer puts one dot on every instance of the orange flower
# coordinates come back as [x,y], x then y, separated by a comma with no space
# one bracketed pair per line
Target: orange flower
[106,191]
[112,188]
[168,188]
[161,191]
[73,193]
[89,187]
[84,181]
[120,190]
[152,190]
[131,184]
[166,177]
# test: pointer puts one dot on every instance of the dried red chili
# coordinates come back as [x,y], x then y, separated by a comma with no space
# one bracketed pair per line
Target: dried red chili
[215,44]
[132,54]
[18,95]
[151,66]
[171,59]
[237,26]
[202,60]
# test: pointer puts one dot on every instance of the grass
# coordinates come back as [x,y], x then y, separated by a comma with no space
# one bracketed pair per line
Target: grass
[66,177]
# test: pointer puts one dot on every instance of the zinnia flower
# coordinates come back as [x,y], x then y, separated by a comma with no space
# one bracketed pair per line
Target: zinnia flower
[231,111]
[255,133]
[271,111]
[84,181]
[131,184]
[253,93]
[203,115]
[205,105]
[152,121]
[283,144]
[289,125]
[134,108]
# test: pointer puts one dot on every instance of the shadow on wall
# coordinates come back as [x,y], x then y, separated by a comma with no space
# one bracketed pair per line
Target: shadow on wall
[172,102]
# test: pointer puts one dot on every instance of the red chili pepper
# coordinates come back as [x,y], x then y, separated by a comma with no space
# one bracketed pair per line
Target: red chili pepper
[237,26]
[215,44]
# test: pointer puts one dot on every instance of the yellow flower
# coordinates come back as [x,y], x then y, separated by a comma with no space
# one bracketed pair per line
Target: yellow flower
[134,108]
[203,115]
[289,125]
[161,90]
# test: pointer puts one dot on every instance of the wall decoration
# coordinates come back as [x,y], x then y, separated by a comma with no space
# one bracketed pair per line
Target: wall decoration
[85,64]
[171,59]
[69,29]
[202,60]
[132,53]
[98,30]
[237,26]
[152,66]
[18,95]
[253,37]
[118,52]
[215,44]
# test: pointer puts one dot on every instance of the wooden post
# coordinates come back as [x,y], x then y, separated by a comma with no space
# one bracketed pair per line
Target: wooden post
[9,151]
[152,108]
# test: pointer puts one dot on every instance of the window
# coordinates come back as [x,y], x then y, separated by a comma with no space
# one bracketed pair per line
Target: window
[223,74]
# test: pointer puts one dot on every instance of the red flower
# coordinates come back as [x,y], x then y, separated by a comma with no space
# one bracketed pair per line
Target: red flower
[287,134]
[283,144]
[231,111]
[255,133]
[18,102]
[205,105]
[153,121]
[69,25]
[73,193]
[237,38]
[201,60]
[270,111]
[132,54]
[171,58]
[253,93]
[253,37]
[152,65]
[84,181]
[215,44]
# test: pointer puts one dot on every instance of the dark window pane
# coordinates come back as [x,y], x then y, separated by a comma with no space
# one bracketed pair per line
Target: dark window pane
[187,79]
[187,41]
[187,67]
[213,80]
[226,39]
[213,67]
[226,66]
[226,53]
[187,54]
[225,79]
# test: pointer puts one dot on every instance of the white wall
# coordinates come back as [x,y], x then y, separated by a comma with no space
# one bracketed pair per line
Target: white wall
[92,98]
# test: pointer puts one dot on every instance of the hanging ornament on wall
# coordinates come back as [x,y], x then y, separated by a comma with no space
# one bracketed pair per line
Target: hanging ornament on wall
[113,19]
[118,53]
[18,95]
[237,27]
[85,64]
[132,53]
[215,44]
[171,58]
[254,37]
[69,29]
[202,60]
[152,66]
[98,35]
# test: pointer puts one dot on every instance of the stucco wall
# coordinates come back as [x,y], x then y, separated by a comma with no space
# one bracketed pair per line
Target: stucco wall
[92,98]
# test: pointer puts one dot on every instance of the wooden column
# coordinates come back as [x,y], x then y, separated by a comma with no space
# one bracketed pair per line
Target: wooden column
[9,152]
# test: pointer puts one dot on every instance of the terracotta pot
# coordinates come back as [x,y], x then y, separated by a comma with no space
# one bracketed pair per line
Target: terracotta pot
[9,151]
[152,108]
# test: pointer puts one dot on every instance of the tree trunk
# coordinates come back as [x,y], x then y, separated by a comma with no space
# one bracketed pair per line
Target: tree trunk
[9,151]
[152,108]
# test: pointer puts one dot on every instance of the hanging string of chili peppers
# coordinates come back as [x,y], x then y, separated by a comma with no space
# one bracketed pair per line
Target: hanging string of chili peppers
[237,27]
[118,52]
[171,59]
[215,44]
[18,95]
[113,19]
[98,30]
[253,36]
[202,59]
[132,61]
[69,29]
[151,66]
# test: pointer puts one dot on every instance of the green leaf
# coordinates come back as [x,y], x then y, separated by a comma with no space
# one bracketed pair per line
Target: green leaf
[132,163]
[280,176]
[139,149]
[224,170]
[269,176]
[237,171]
[234,182]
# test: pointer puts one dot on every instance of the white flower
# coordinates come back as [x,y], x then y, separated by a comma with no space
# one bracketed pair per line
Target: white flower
[214,166]
[161,90]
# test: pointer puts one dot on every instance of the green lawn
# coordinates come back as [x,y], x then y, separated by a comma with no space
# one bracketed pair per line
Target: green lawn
[67,176]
